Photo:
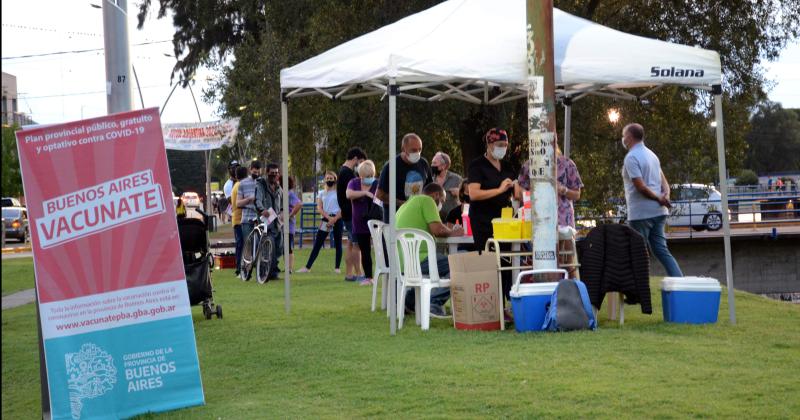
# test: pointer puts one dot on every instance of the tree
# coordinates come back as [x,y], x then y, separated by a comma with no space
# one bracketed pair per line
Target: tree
[12,178]
[263,37]
[747,177]
[774,140]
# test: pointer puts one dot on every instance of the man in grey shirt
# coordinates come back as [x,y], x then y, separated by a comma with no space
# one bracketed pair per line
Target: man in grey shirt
[647,195]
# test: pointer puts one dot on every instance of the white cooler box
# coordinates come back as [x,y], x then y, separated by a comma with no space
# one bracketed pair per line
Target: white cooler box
[690,300]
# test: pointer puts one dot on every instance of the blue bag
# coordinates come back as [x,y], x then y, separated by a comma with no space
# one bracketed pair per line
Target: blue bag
[569,308]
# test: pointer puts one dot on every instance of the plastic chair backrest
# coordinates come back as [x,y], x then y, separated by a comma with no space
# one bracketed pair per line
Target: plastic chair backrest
[376,234]
[409,243]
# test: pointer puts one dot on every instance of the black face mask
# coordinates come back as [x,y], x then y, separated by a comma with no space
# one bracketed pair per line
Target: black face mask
[254,176]
[463,198]
[436,170]
[330,183]
[272,178]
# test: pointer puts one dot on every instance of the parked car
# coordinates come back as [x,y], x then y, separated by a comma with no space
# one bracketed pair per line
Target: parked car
[16,223]
[697,206]
[11,202]
[191,199]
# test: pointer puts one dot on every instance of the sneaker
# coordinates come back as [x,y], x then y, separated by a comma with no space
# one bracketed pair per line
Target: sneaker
[438,312]
[365,282]
[359,278]
[337,271]
[303,270]
[350,278]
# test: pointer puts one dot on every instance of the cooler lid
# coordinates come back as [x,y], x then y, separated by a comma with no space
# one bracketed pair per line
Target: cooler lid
[533,289]
[690,284]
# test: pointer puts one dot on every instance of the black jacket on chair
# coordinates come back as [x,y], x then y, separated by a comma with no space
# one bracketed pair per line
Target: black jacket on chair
[614,258]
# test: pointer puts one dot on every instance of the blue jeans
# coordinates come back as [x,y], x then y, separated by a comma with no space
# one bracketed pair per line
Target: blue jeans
[237,235]
[652,230]
[439,295]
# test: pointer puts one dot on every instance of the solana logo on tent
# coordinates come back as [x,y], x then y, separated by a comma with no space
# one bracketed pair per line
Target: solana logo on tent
[656,71]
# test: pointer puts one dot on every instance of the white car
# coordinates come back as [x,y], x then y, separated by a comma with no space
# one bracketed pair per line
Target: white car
[695,205]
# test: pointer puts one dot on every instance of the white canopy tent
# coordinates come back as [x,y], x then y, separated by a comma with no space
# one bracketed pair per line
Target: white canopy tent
[475,51]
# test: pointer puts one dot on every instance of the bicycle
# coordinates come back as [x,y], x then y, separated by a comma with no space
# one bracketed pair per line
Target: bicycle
[257,251]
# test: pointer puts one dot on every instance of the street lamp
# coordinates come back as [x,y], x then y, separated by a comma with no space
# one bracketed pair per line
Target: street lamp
[613,115]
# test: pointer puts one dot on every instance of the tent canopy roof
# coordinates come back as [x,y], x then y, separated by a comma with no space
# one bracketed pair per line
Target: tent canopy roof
[470,45]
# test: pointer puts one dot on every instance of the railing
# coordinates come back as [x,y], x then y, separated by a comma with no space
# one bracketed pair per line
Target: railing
[756,209]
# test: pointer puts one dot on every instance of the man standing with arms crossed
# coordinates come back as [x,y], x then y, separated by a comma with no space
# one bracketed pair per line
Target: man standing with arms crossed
[647,195]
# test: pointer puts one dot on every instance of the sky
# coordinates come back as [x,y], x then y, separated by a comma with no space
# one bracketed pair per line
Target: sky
[66,87]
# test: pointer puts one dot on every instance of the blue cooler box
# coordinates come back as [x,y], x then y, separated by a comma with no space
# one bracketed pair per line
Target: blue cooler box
[690,300]
[529,303]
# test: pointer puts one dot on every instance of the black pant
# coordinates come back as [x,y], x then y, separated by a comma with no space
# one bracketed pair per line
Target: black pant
[482,232]
[364,241]
[319,242]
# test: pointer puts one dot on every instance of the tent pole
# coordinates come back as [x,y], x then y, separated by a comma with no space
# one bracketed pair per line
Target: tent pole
[285,172]
[723,183]
[567,125]
[392,248]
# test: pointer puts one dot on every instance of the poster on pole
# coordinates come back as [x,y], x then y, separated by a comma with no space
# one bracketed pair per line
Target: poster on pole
[113,301]
[200,136]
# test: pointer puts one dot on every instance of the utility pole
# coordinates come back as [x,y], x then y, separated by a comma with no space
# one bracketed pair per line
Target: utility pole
[118,61]
[541,133]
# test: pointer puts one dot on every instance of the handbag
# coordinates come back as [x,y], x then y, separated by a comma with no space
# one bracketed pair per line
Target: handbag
[374,212]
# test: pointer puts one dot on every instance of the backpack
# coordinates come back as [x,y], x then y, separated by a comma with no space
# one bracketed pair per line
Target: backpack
[569,308]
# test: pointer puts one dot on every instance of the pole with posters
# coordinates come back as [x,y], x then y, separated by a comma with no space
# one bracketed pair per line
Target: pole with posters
[541,132]
[116,324]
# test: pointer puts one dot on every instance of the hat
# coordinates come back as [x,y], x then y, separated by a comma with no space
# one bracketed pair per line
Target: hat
[233,163]
[494,135]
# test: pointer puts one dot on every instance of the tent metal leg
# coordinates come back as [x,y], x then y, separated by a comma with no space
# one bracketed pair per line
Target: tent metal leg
[285,173]
[567,127]
[726,226]
[392,245]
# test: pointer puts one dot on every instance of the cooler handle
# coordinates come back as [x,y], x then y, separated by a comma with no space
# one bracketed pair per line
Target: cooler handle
[515,287]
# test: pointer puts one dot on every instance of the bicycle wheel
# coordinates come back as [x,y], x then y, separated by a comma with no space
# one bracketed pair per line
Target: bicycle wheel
[248,255]
[264,260]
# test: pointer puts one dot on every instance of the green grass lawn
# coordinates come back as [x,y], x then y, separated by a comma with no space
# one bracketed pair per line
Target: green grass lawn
[17,275]
[333,358]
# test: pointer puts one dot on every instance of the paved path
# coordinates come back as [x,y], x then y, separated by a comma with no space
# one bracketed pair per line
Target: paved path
[17,255]
[18,299]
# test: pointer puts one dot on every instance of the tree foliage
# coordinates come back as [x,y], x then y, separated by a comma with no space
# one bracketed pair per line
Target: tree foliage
[774,141]
[12,178]
[259,38]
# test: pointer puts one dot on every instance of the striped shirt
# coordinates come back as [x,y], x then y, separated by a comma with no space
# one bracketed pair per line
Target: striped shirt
[247,189]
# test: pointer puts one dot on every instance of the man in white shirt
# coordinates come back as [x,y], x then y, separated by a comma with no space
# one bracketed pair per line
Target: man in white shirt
[647,195]
[227,189]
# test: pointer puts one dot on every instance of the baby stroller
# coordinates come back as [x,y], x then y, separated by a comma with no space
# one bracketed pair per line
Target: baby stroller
[197,263]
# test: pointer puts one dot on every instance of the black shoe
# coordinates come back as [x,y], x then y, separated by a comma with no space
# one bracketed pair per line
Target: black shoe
[438,312]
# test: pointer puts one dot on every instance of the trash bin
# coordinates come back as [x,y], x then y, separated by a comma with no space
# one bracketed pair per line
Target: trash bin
[212,223]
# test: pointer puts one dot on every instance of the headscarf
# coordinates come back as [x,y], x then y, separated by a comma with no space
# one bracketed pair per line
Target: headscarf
[495,135]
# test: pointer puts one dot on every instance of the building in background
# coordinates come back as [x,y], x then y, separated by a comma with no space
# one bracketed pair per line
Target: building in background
[11,115]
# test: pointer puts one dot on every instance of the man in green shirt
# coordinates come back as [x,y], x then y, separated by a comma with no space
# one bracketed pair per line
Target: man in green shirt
[422,212]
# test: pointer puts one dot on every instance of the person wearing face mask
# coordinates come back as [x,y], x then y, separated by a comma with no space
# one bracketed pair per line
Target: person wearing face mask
[647,195]
[450,181]
[269,196]
[491,183]
[352,255]
[246,198]
[328,207]
[422,212]
[413,173]
[454,215]
[361,192]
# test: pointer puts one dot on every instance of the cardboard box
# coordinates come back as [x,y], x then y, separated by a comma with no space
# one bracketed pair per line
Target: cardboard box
[474,291]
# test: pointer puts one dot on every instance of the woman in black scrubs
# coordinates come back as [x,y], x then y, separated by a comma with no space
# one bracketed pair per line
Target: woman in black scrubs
[491,183]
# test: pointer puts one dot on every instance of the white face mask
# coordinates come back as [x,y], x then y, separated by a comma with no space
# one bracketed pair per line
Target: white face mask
[414,157]
[623,144]
[439,206]
[499,152]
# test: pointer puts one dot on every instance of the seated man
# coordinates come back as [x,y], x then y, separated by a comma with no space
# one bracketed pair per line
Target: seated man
[422,212]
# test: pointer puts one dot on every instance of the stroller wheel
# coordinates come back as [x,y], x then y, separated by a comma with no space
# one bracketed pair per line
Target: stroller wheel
[206,310]
[219,311]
